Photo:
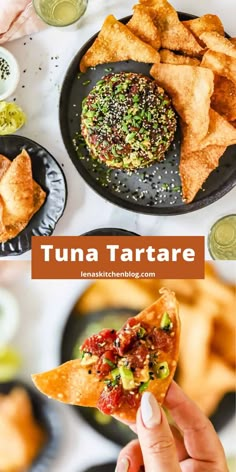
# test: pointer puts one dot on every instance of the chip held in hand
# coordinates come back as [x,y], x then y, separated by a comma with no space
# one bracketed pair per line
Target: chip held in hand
[116,367]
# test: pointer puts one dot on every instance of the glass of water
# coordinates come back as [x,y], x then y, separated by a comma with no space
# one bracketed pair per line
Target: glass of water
[60,12]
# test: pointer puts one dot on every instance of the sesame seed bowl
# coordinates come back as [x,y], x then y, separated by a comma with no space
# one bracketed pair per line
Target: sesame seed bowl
[152,190]
[9,73]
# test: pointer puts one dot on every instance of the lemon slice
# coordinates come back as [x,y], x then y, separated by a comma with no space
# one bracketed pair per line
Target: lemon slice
[9,317]
[10,362]
[11,118]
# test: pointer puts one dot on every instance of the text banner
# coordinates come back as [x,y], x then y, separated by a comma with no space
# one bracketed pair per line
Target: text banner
[113,257]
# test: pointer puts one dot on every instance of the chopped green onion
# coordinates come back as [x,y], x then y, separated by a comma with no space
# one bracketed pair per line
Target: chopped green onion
[166,323]
[110,363]
[143,386]
[108,69]
[86,82]
[115,373]
[141,332]
[161,370]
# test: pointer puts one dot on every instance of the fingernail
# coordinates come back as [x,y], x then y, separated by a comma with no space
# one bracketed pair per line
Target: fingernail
[123,465]
[150,410]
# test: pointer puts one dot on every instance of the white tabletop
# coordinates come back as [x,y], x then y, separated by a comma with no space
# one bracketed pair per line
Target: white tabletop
[45,58]
[44,307]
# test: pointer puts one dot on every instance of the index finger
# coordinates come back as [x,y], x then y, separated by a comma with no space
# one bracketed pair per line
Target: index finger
[200,438]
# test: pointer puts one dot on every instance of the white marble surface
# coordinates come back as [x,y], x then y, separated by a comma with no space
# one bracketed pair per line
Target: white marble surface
[44,308]
[38,93]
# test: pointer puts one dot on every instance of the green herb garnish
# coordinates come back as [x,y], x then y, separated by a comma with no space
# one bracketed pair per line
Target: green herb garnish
[166,323]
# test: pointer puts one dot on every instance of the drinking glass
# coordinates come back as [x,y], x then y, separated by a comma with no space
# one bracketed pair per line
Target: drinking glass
[60,12]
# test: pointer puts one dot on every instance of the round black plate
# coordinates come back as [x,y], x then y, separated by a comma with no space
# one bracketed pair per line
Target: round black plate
[76,326]
[109,467]
[48,418]
[47,173]
[110,232]
[154,190]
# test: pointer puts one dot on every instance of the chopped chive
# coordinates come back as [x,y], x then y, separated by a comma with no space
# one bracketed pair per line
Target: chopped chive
[86,82]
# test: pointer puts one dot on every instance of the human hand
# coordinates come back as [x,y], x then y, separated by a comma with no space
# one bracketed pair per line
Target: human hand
[161,448]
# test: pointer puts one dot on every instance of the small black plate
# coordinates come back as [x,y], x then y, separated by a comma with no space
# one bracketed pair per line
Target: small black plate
[49,175]
[77,327]
[153,190]
[110,232]
[45,416]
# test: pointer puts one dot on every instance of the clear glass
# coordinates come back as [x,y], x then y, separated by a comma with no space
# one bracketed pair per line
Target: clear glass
[222,239]
[60,12]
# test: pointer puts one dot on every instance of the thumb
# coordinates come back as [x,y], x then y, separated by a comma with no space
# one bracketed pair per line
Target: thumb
[155,437]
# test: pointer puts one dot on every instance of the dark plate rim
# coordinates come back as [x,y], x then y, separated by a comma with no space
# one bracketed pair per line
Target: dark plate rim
[122,232]
[49,419]
[23,233]
[131,206]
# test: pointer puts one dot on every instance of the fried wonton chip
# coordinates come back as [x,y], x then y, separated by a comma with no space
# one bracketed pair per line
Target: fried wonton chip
[233,123]
[141,24]
[174,35]
[116,42]
[79,384]
[220,133]
[20,196]
[220,64]
[233,41]
[218,43]
[169,57]
[223,99]
[190,88]
[195,167]
[4,165]
[206,23]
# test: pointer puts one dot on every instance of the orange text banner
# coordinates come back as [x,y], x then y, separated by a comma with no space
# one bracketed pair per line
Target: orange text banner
[101,257]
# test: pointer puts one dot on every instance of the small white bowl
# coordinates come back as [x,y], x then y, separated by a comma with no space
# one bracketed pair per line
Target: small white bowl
[8,86]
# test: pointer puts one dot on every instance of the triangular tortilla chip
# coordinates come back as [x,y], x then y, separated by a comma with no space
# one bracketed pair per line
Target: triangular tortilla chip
[4,165]
[195,168]
[220,64]
[169,57]
[220,133]
[13,222]
[223,99]
[174,35]
[218,43]
[141,24]
[190,88]
[205,23]
[115,43]
[79,384]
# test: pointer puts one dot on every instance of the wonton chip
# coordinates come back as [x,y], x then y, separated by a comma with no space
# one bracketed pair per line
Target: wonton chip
[233,41]
[206,23]
[20,196]
[169,57]
[195,167]
[86,382]
[115,43]
[174,35]
[190,88]
[223,99]
[220,64]
[233,123]
[218,43]
[220,133]
[141,24]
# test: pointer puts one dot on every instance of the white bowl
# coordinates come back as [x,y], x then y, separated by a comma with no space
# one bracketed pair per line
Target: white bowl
[8,86]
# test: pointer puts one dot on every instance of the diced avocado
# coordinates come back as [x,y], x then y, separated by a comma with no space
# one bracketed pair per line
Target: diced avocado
[166,322]
[161,370]
[127,378]
[115,373]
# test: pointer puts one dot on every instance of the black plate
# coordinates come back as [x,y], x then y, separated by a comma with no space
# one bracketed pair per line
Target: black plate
[48,418]
[48,174]
[109,467]
[154,190]
[110,232]
[75,327]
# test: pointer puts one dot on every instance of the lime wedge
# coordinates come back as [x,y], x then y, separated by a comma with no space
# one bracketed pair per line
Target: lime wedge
[10,362]
[11,118]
